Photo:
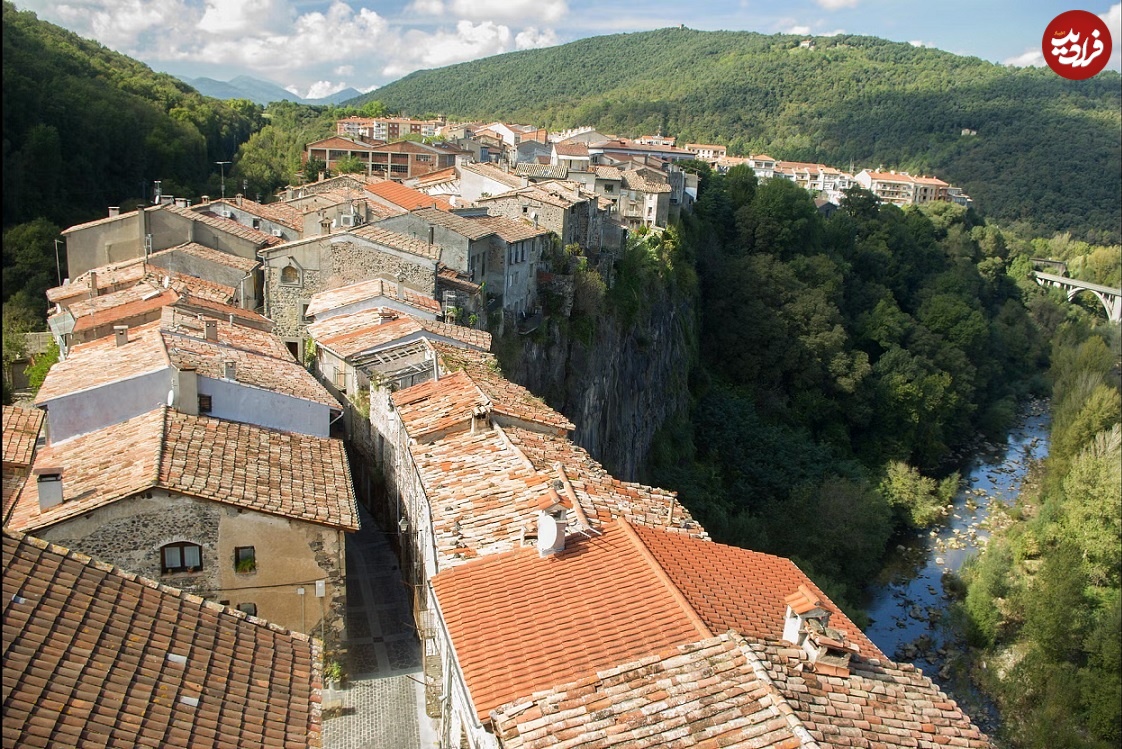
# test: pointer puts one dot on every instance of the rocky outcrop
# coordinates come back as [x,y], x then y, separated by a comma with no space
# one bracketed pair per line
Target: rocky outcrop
[618,383]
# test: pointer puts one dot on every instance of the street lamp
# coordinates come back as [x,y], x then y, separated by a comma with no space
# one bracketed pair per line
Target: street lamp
[222,167]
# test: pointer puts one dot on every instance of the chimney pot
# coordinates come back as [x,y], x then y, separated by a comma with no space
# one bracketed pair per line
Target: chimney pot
[230,369]
[122,334]
[114,210]
[210,330]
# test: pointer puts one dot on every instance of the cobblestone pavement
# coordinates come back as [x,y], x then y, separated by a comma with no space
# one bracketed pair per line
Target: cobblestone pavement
[383,702]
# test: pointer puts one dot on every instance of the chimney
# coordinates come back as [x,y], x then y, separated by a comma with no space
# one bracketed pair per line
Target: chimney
[238,199]
[205,200]
[114,210]
[807,625]
[49,481]
[93,284]
[210,330]
[187,390]
[122,334]
[230,369]
[401,285]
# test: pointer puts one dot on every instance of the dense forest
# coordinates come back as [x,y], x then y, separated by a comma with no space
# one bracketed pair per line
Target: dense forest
[86,128]
[1046,152]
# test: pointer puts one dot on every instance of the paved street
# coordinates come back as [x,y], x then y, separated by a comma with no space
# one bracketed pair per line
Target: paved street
[383,704]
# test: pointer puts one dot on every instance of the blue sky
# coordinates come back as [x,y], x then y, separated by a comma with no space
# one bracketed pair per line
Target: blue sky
[314,48]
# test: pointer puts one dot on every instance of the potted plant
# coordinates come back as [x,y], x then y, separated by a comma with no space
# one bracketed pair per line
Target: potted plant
[332,674]
[244,565]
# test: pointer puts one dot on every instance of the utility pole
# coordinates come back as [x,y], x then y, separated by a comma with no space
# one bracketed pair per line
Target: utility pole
[58,265]
[222,166]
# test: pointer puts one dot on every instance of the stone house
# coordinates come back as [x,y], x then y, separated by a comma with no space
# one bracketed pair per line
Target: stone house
[238,514]
[158,667]
[500,252]
[574,215]
[199,366]
[296,271]
[138,234]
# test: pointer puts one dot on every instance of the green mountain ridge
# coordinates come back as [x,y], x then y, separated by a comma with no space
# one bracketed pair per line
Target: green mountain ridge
[1046,153]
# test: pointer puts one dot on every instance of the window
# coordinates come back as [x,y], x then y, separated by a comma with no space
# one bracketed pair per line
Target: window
[205,404]
[248,608]
[245,559]
[304,312]
[290,274]
[181,557]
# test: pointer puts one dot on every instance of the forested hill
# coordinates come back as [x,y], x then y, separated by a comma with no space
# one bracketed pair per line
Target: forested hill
[86,127]
[1046,151]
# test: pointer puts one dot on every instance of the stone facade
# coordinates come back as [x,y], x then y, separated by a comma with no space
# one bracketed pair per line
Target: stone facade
[296,271]
[130,533]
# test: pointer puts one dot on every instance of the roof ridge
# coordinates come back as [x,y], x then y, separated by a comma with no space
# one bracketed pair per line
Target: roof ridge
[779,702]
[162,446]
[95,563]
[660,573]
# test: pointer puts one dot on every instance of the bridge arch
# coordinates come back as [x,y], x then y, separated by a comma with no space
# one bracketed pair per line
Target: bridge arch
[1111,299]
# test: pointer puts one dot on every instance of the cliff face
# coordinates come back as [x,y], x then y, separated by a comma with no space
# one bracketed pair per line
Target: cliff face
[617,386]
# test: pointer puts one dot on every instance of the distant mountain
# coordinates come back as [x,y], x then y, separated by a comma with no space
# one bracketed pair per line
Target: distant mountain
[260,92]
[1027,145]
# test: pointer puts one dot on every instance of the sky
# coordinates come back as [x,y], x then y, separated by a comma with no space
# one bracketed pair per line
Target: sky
[315,48]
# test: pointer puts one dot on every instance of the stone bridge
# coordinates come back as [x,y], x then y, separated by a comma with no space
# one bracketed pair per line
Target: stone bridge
[1110,298]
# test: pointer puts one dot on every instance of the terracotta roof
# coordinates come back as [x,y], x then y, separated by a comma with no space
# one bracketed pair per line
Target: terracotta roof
[437,406]
[571,149]
[359,332]
[342,143]
[203,252]
[880,703]
[121,276]
[98,657]
[601,496]
[108,276]
[636,180]
[483,494]
[451,278]
[398,241]
[296,476]
[433,178]
[493,173]
[405,197]
[178,338]
[733,588]
[477,227]
[20,431]
[117,306]
[225,225]
[505,396]
[364,290]
[891,176]
[706,694]
[521,623]
[97,363]
[608,172]
[279,212]
[221,311]
[551,171]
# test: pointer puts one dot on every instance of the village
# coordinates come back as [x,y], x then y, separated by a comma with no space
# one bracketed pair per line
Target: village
[246,388]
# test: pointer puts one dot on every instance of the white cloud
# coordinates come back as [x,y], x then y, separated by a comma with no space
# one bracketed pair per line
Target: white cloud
[917,43]
[531,38]
[236,18]
[800,30]
[836,4]
[508,11]
[1033,57]
[425,8]
[469,41]
[1113,20]
[321,89]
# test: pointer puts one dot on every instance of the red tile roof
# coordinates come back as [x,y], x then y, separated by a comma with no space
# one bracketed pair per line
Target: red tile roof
[879,703]
[280,473]
[98,657]
[97,363]
[374,288]
[521,623]
[20,431]
[506,397]
[405,197]
[431,409]
[600,495]
[368,330]
[710,693]
[211,255]
[740,589]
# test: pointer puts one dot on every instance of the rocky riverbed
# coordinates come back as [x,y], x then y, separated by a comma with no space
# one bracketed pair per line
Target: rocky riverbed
[908,603]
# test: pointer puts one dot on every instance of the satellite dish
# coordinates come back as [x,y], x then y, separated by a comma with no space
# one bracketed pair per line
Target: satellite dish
[171,397]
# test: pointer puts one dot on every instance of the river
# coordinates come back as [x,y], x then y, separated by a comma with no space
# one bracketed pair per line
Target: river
[907,603]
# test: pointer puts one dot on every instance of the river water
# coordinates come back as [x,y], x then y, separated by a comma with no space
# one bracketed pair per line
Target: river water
[907,603]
